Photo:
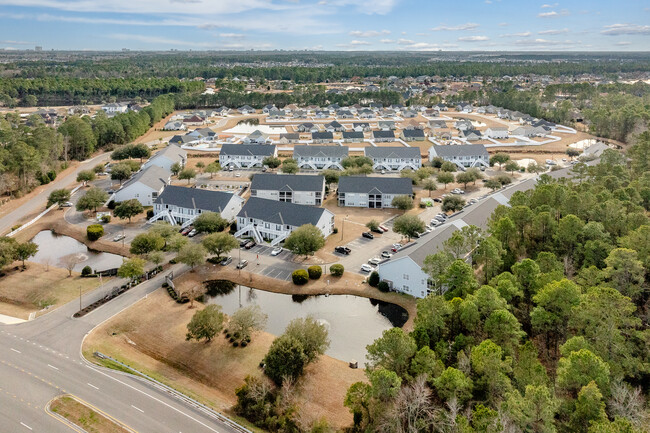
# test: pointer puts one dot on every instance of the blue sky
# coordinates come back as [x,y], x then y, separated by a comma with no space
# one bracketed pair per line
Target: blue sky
[593,25]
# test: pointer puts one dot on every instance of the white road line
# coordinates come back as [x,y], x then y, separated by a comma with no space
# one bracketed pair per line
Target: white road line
[51,366]
[91,385]
[25,425]
[17,351]
[137,408]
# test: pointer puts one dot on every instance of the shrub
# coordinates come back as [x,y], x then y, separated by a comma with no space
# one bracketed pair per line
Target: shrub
[373,279]
[337,270]
[106,219]
[383,286]
[300,277]
[244,344]
[149,213]
[94,232]
[335,230]
[315,272]
[235,344]
[111,204]
[87,270]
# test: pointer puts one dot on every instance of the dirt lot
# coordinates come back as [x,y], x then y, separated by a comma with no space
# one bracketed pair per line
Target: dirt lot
[150,336]
[24,292]
[84,416]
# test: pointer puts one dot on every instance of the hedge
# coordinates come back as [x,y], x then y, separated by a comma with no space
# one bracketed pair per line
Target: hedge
[337,270]
[94,232]
[383,286]
[314,272]
[373,279]
[300,277]
[87,270]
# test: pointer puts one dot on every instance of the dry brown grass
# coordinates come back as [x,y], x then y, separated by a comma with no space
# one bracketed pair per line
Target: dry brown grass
[84,416]
[150,336]
[25,291]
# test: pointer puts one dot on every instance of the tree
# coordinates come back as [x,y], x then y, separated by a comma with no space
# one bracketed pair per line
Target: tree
[408,225]
[247,320]
[176,168]
[311,334]
[58,196]
[70,261]
[25,251]
[93,198]
[212,168]
[7,251]
[131,268]
[372,225]
[464,178]
[488,255]
[459,279]
[385,384]
[187,174]
[271,162]
[176,242]
[402,202]
[533,167]
[164,230]
[305,240]
[493,184]
[85,176]
[499,158]
[435,266]
[573,152]
[191,255]
[285,359]
[144,243]
[289,166]
[429,185]
[128,209]
[219,243]
[140,150]
[511,166]
[392,351]
[331,176]
[452,203]
[120,172]
[580,368]
[453,384]
[205,323]
[448,167]
[590,407]
[534,411]
[445,178]
[487,362]
[625,271]
[156,257]
[80,137]
[210,222]
[337,270]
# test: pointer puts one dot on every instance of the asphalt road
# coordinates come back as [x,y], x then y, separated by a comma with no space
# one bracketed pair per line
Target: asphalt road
[41,359]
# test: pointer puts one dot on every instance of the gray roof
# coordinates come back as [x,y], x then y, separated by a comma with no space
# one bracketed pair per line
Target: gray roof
[329,151]
[248,149]
[322,136]
[171,152]
[353,134]
[195,198]
[452,150]
[392,152]
[413,133]
[383,134]
[291,136]
[182,139]
[287,182]
[153,176]
[383,185]
[280,212]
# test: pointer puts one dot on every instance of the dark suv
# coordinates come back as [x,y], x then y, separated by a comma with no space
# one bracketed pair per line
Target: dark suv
[368,235]
[343,250]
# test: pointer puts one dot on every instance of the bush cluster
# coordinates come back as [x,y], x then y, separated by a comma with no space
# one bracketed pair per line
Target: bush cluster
[337,270]
[314,272]
[300,277]
[94,232]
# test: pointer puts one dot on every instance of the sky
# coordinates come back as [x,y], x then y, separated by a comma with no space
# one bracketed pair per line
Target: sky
[338,25]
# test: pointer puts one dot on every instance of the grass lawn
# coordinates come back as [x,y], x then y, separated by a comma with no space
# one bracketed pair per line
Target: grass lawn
[25,291]
[84,416]
[150,336]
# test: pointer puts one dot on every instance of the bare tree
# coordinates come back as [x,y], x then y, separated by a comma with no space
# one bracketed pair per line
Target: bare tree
[70,261]
[193,292]
[411,411]
[46,262]
[628,402]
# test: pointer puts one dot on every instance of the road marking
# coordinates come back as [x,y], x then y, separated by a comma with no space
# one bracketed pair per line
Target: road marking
[25,425]
[17,351]
[51,366]
[91,385]
[137,408]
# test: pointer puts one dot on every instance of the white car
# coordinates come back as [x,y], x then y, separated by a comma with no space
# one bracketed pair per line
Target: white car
[118,238]
[366,268]
[276,251]
[374,261]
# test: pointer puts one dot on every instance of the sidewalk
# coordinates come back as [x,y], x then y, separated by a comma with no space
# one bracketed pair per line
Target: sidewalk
[8,320]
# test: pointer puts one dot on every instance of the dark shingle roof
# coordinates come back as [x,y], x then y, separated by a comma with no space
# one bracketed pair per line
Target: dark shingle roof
[392,152]
[247,149]
[460,150]
[195,198]
[279,212]
[154,177]
[383,134]
[385,185]
[352,134]
[322,136]
[329,151]
[287,182]
[413,133]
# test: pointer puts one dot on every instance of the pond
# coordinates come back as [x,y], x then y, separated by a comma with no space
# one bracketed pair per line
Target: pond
[353,322]
[52,249]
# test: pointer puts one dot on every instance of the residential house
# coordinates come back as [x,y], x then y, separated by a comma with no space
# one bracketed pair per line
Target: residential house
[300,114]
[293,188]
[245,155]
[334,127]
[361,126]
[194,120]
[530,131]
[320,157]
[268,108]
[272,220]
[463,155]
[222,111]
[408,114]
[181,205]
[463,125]
[441,107]
[344,114]
[471,134]
[144,186]
[372,192]
[277,114]
[322,137]
[246,109]
[387,125]
[116,108]
[287,138]
[353,136]
[497,132]
[412,135]
[383,136]
[182,139]
[175,126]
[167,157]
[437,124]
[307,127]
[257,137]
[322,114]
[366,114]
[394,157]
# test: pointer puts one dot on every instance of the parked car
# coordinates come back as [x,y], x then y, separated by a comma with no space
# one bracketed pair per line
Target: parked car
[67,204]
[226,261]
[342,250]
[366,268]
[243,243]
[118,238]
[377,230]
[250,244]
[276,251]
[436,223]
[192,233]
[368,235]
[186,231]
[386,254]
[384,228]
[374,261]
[437,200]
[242,264]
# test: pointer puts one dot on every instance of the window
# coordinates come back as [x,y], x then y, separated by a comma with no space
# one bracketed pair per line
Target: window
[406,277]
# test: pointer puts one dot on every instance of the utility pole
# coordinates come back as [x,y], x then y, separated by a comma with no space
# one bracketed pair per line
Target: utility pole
[79,298]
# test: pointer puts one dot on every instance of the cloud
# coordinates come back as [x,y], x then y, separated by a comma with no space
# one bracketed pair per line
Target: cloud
[16,42]
[623,43]
[170,42]
[405,42]
[379,7]
[553,14]
[461,27]
[503,24]
[355,42]
[547,6]
[387,41]
[626,29]
[553,32]
[521,35]
[473,38]
[369,33]
[541,43]
[231,35]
